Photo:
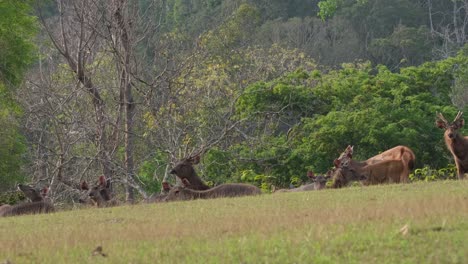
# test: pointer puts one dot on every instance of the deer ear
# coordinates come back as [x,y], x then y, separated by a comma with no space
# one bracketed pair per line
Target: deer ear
[84,186]
[336,162]
[460,122]
[166,186]
[102,181]
[310,174]
[440,124]
[185,182]
[44,191]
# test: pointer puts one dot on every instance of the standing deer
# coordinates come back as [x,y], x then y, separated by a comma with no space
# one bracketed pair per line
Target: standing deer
[391,166]
[100,194]
[455,141]
[179,193]
[184,170]
[37,205]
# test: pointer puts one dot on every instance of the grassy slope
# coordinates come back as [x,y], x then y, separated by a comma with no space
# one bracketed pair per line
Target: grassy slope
[353,225]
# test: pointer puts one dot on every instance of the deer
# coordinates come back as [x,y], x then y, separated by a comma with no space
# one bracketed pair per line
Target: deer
[318,183]
[391,166]
[184,170]
[181,193]
[4,208]
[99,195]
[37,204]
[456,143]
[159,197]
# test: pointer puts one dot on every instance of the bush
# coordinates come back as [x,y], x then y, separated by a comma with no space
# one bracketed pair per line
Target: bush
[12,197]
[429,174]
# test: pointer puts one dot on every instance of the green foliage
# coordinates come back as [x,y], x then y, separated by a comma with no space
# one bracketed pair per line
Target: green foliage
[12,142]
[218,166]
[235,31]
[152,171]
[405,46]
[429,174]
[289,94]
[373,109]
[17,29]
[327,8]
[11,197]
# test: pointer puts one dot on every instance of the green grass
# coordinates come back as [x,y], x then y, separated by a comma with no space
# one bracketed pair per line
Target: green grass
[351,225]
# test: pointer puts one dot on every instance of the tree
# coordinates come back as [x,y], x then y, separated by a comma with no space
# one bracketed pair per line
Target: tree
[17,30]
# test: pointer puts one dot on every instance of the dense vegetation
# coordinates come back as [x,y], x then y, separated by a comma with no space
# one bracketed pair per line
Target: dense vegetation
[266,89]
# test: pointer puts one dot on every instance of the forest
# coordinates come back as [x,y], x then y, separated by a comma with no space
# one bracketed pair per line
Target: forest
[265,90]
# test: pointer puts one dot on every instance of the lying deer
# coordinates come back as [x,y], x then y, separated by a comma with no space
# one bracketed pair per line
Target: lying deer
[184,170]
[100,194]
[159,197]
[455,141]
[391,166]
[387,171]
[179,193]
[4,208]
[318,183]
[38,205]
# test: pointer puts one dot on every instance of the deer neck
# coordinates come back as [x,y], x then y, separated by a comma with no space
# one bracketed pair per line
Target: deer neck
[359,166]
[458,145]
[198,184]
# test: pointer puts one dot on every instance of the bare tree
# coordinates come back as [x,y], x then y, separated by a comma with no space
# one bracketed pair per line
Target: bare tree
[450,26]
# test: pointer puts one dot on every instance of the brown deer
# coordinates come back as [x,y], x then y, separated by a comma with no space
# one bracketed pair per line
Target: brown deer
[33,194]
[318,183]
[99,195]
[38,205]
[455,141]
[4,208]
[391,166]
[184,170]
[179,193]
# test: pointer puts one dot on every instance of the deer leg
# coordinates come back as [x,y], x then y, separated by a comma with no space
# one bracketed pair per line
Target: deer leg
[461,171]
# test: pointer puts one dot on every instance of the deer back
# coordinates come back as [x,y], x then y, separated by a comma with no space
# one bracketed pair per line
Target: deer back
[224,190]
[28,208]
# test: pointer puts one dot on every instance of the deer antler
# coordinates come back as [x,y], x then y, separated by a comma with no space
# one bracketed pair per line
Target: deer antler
[459,115]
[442,118]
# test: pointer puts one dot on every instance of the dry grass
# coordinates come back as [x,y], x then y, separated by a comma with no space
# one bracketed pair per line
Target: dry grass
[352,225]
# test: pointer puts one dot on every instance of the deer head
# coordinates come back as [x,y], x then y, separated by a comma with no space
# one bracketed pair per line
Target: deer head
[184,168]
[33,194]
[100,193]
[451,129]
[345,157]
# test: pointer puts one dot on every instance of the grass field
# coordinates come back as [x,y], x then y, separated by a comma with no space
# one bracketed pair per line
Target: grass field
[410,223]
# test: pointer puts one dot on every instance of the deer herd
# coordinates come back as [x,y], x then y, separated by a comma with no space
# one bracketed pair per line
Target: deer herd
[391,166]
